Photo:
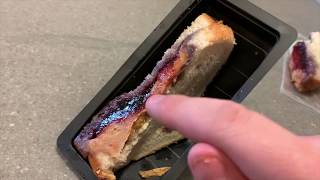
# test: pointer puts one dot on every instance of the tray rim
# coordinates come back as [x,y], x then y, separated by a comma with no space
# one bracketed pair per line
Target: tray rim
[287,36]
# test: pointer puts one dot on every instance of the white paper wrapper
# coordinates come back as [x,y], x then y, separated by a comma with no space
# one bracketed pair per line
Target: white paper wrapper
[312,99]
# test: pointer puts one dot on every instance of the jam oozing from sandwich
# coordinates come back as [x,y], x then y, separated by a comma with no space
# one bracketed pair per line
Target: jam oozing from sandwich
[133,102]
[301,60]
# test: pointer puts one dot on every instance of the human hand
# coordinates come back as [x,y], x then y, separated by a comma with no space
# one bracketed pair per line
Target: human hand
[236,143]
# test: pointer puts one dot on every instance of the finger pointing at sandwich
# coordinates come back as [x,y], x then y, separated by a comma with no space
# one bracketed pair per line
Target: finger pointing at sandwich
[260,148]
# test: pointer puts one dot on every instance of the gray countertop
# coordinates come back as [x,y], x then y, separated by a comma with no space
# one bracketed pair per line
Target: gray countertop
[56,55]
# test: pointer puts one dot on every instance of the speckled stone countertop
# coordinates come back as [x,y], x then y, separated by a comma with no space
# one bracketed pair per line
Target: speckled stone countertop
[56,55]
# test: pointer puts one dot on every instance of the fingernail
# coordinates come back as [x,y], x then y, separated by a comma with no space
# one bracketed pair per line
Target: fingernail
[207,167]
[154,101]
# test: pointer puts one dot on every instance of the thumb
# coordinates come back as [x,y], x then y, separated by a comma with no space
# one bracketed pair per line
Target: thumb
[206,163]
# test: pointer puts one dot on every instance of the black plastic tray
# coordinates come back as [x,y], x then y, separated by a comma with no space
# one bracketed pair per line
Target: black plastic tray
[261,41]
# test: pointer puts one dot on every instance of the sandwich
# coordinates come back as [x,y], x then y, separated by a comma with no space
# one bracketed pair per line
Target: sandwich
[304,64]
[123,131]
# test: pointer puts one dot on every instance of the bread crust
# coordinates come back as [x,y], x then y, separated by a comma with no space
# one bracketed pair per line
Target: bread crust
[304,85]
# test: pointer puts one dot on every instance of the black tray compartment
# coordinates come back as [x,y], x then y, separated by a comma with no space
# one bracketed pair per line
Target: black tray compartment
[261,41]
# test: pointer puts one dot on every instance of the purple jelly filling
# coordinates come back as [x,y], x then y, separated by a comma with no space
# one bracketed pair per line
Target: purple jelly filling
[125,109]
[129,103]
[302,61]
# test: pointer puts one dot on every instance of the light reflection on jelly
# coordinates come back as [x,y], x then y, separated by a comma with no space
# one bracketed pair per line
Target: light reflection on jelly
[122,113]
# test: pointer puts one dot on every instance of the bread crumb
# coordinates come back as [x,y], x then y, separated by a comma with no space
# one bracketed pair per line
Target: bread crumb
[157,172]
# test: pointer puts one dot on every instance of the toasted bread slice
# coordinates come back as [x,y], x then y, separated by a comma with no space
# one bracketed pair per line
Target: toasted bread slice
[123,131]
[213,46]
